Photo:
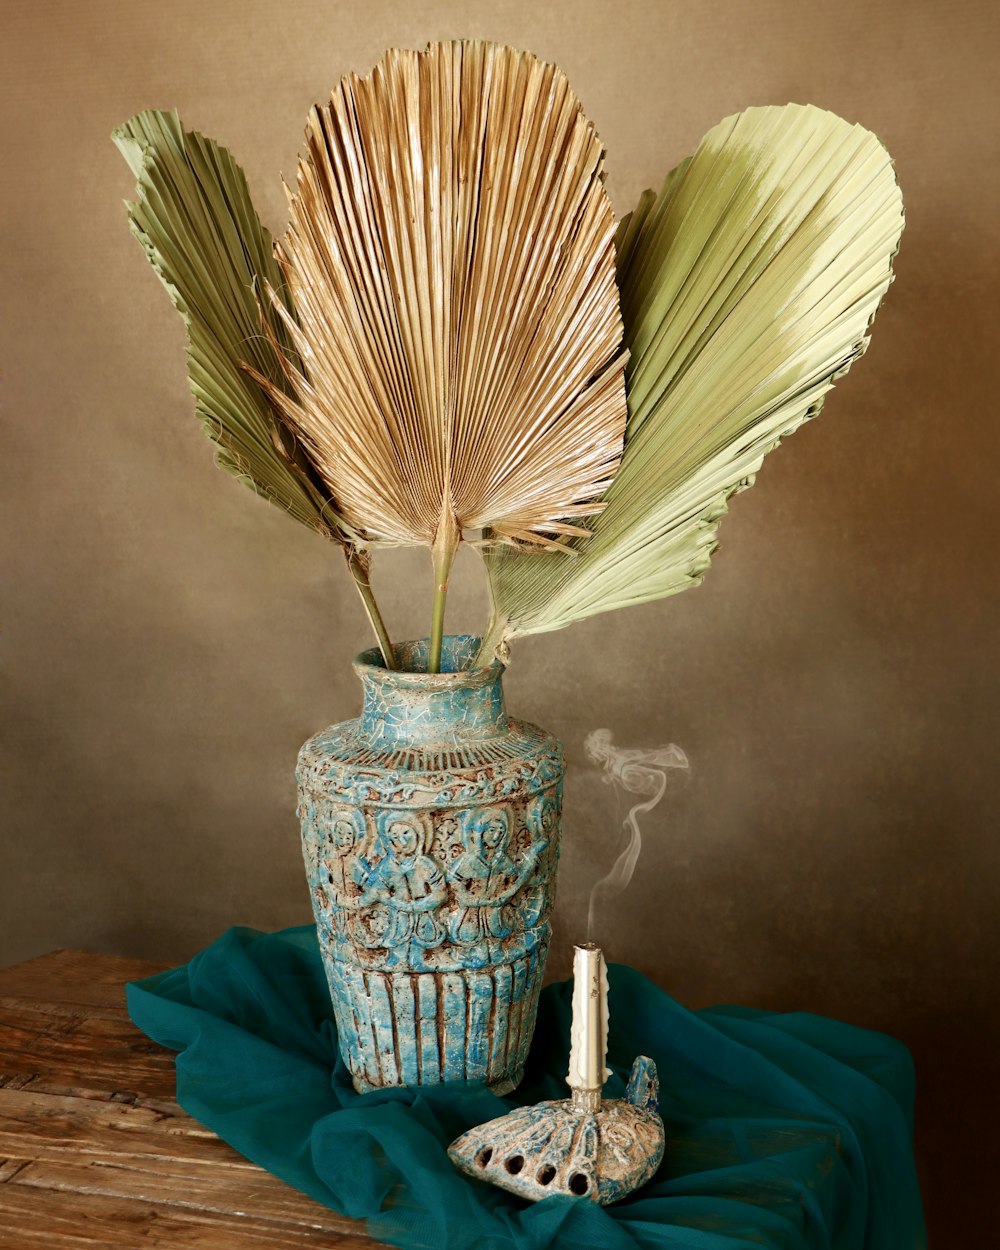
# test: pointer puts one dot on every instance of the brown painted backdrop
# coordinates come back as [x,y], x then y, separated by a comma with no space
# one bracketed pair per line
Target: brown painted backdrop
[170,640]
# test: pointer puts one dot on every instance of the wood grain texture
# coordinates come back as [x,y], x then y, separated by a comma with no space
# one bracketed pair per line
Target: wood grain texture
[95,1152]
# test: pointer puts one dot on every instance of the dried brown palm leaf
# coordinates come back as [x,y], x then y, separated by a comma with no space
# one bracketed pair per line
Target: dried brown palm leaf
[451,260]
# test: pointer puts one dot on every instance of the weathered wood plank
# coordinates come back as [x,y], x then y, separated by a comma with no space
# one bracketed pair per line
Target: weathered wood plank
[10,1167]
[28,1020]
[95,1152]
[59,1088]
[179,1183]
[75,978]
[43,1126]
[11,1007]
[102,1080]
[66,1033]
[73,1221]
[100,1052]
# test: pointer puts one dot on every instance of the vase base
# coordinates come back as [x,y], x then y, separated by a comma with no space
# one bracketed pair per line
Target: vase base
[409,1028]
[501,1087]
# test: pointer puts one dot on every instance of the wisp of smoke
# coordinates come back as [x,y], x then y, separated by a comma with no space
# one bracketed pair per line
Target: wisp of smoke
[637,772]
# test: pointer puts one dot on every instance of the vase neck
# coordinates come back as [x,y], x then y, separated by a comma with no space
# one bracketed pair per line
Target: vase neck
[411,707]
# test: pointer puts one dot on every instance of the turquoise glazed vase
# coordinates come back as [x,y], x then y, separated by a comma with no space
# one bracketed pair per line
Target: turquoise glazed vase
[430,832]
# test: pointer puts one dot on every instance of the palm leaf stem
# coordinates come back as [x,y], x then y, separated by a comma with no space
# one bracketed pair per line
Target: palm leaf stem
[359,562]
[443,557]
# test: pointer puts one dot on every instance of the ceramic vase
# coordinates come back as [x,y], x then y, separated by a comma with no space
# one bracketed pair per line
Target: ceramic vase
[430,832]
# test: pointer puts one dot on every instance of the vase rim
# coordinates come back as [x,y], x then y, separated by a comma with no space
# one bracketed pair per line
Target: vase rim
[370,666]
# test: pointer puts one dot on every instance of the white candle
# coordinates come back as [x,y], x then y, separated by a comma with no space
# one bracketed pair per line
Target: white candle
[589,1030]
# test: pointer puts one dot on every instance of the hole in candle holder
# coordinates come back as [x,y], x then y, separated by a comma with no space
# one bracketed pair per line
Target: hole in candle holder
[578,1183]
[484,1156]
[546,1174]
[514,1164]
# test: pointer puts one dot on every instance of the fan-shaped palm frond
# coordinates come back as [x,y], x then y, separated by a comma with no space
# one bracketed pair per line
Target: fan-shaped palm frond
[197,225]
[451,261]
[748,285]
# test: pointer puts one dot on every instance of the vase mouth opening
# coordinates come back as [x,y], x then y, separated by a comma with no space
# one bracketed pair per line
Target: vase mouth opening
[458,654]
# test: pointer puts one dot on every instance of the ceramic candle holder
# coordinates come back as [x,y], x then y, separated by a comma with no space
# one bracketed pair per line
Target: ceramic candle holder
[583,1146]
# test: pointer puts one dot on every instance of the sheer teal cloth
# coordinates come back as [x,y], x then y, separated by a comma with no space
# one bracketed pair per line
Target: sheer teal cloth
[783,1131]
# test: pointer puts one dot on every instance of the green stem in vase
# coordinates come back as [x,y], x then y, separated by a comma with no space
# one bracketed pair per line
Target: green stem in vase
[443,556]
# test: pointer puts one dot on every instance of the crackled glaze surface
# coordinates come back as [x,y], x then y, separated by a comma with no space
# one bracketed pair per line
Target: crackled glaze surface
[430,830]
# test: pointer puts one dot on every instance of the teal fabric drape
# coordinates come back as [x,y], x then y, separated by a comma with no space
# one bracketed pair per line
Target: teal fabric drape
[784,1131]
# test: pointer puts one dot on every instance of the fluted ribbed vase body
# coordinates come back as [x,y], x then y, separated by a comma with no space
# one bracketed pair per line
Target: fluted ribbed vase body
[430,831]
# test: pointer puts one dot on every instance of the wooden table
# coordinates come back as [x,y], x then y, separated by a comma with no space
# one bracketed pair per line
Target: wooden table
[93,1149]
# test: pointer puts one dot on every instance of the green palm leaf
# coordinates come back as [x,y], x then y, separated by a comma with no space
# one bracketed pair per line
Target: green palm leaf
[748,286]
[195,220]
